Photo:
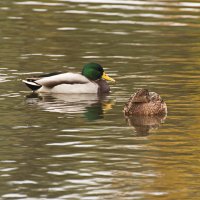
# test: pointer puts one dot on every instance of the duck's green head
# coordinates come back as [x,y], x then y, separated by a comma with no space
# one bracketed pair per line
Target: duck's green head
[94,71]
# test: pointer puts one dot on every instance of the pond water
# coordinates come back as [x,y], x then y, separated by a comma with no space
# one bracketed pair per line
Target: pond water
[82,147]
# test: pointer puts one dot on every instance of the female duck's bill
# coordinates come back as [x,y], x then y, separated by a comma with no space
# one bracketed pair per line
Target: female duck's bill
[92,80]
[145,103]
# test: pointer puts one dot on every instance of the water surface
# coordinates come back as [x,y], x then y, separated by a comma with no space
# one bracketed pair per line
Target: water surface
[69,147]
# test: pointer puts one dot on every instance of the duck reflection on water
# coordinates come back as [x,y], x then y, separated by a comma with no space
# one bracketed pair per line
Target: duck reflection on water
[92,106]
[143,125]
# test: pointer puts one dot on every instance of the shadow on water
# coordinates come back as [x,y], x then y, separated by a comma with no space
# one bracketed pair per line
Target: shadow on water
[92,106]
[143,125]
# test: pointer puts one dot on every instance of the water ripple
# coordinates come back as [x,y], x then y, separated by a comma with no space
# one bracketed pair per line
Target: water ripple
[68,155]
[125,15]
[8,169]
[14,195]
[61,173]
[22,182]
[127,2]
[31,3]
[64,144]
[5,77]
[39,10]
[67,29]
[141,23]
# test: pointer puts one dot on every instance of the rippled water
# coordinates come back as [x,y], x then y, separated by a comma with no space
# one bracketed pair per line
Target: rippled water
[82,147]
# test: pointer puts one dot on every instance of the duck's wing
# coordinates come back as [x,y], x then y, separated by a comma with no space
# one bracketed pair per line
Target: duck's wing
[59,79]
[65,78]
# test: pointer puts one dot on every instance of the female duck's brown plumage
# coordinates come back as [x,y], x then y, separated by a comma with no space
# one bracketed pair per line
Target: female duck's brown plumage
[145,103]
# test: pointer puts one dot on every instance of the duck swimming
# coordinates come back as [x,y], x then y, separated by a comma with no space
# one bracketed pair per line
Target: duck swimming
[145,103]
[91,80]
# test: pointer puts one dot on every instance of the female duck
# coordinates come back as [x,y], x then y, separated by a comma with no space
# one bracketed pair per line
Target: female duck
[92,80]
[145,103]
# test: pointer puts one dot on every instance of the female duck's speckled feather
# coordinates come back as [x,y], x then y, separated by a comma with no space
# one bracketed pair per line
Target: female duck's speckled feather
[90,81]
[146,103]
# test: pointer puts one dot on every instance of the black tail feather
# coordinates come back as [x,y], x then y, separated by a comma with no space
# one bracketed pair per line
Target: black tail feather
[32,85]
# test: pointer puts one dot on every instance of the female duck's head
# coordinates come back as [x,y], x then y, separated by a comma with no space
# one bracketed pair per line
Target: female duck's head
[94,71]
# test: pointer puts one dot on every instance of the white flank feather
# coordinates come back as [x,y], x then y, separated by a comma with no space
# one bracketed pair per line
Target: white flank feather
[90,87]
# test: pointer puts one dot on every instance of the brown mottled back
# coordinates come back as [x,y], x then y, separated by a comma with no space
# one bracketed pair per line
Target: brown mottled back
[144,102]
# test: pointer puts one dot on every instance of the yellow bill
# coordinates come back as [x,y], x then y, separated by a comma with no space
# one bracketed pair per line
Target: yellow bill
[106,77]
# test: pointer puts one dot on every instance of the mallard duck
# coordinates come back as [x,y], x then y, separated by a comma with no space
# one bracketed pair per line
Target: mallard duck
[91,80]
[145,103]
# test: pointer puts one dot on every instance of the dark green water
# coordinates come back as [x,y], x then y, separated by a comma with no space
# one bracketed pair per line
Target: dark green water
[82,147]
